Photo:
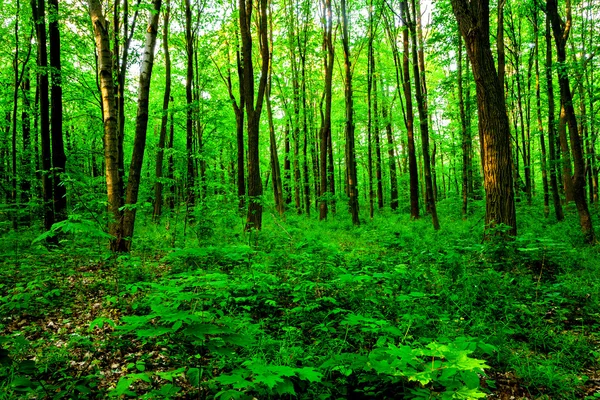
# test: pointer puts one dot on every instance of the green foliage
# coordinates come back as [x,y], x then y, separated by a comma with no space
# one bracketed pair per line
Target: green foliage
[304,311]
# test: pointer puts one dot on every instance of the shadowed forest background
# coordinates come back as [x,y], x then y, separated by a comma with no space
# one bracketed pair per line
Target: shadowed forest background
[299,199]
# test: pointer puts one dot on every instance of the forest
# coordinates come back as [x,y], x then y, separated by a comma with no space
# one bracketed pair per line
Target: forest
[299,199]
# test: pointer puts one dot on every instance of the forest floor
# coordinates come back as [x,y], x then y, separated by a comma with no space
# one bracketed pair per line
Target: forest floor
[303,310]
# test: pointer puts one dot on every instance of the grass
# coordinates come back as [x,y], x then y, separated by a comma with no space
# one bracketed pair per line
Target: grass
[304,310]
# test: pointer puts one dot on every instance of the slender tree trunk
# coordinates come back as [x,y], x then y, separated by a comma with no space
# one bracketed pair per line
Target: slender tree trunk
[253,111]
[473,21]
[158,185]
[26,131]
[424,126]
[466,156]
[377,132]
[110,118]
[561,36]
[349,128]
[558,211]
[409,121]
[189,125]
[39,16]
[392,159]
[141,126]
[538,96]
[59,159]
[325,133]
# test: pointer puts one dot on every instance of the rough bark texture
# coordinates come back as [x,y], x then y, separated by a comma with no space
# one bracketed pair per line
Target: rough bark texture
[253,110]
[141,126]
[109,107]
[473,21]
[561,36]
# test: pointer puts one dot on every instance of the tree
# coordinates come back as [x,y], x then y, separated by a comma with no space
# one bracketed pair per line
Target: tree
[158,185]
[561,33]
[473,22]
[349,126]
[59,159]
[253,110]
[325,131]
[110,121]
[39,17]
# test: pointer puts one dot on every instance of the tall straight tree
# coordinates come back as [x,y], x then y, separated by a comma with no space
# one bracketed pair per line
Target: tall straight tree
[39,17]
[110,120]
[349,127]
[553,159]
[325,131]
[160,154]
[473,21]
[189,124]
[59,159]
[465,134]
[253,110]
[141,126]
[423,120]
[561,31]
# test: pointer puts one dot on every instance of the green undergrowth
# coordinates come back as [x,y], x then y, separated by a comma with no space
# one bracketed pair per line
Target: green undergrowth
[302,310]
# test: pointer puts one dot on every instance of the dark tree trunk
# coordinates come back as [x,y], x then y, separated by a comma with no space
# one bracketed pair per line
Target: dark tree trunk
[409,121]
[39,16]
[189,125]
[423,125]
[561,36]
[253,111]
[392,159]
[553,160]
[349,128]
[473,21]
[59,159]
[325,132]
[466,139]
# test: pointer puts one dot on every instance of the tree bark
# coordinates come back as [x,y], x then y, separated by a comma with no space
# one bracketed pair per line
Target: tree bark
[325,132]
[160,155]
[561,36]
[39,16]
[110,118]
[253,111]
[423,125]
[349,127]
[473,21]
[59,159]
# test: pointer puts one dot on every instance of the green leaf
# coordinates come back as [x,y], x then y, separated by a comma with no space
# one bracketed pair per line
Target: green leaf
[285,387]
[27,367]
[193,376]
[309,374]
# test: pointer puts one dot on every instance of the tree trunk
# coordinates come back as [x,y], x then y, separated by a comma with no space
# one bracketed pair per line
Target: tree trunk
[558,211]
[466,156]
[39,16]
[423,125]
[409,121]
[59,159]
[141,126]
[473,21]
[560,38]
[110,119]
[189,125]
[543,155]
[392,159]
[253,111]
[349,128]
[158,185]
[325,132]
